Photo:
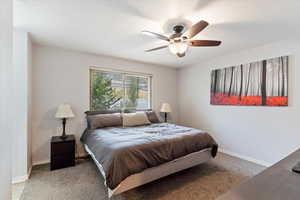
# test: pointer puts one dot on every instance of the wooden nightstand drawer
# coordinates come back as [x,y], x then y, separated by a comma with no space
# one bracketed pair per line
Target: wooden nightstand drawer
[58,162]
[62,148]
[62,152]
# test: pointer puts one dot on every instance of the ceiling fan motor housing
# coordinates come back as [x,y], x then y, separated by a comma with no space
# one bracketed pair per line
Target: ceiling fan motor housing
[178,28]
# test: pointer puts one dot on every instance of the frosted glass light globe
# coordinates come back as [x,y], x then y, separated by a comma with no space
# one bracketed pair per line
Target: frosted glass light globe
[178,47]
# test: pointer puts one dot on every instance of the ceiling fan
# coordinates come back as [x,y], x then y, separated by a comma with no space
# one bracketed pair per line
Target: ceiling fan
[179,42]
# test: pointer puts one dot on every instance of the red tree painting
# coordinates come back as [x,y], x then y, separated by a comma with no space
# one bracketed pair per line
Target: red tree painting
[263,83]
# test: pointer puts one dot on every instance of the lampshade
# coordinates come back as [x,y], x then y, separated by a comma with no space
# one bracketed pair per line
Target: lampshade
[166,108]
[64,111]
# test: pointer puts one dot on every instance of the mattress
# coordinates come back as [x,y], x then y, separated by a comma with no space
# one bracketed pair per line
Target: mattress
[123,151]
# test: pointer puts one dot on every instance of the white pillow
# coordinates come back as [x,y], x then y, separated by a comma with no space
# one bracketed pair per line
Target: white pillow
[135,119]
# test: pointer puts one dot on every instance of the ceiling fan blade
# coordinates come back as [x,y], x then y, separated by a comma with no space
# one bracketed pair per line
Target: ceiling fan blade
[195,29]
[157,48]
[204,43]
[156,35]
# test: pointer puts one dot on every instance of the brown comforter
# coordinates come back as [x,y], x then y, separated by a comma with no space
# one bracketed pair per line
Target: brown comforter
[126,151]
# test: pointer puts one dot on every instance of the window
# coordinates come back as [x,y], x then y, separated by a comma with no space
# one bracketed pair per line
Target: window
[119,90]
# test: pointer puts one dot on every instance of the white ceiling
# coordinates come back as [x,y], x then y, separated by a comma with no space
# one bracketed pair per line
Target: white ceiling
[112,27]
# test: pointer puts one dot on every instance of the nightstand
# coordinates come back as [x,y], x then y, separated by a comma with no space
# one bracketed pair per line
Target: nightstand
[62,152]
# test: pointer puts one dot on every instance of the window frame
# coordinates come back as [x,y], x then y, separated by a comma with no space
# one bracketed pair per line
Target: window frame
[123,72]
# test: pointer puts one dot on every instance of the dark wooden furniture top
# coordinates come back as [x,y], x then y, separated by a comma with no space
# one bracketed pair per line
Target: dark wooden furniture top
[277,182]
[62,152]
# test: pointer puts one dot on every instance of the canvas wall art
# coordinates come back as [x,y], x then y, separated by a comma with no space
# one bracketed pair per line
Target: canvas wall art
[262,83]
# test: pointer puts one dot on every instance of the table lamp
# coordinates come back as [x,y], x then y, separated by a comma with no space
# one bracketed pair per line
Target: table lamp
[64,112]
[166,108]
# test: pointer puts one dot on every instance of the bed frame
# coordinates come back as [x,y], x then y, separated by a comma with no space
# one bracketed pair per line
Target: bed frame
[157,172]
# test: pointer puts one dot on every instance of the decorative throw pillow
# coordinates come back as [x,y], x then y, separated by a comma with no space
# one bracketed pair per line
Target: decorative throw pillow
[104,120]
[135,119]
[152,117]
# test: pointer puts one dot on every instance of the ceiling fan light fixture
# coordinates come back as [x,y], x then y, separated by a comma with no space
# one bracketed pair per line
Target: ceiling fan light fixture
[180,54]
[179,42]
[178,48]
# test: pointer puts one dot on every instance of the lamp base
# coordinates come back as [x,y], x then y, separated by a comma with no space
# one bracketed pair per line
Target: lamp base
[64,136]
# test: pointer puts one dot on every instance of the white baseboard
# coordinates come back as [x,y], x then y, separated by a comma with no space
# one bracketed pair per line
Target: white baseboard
[21,179]
[259,162]
[29,171]
[40,162]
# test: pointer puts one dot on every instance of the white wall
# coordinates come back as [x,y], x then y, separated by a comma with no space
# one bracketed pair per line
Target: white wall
[63,76]
[6,104]
[22,133]
[261,134]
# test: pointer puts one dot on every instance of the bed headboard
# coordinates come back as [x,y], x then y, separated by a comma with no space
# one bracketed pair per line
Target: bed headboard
[103,120]
[135,110]
[114,111]
[102,112]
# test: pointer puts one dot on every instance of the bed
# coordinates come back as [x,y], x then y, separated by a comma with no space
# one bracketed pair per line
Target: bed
[128,157]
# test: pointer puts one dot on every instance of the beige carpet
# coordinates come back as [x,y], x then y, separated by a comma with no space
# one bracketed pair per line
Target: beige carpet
[84,182]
